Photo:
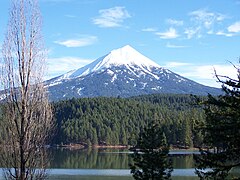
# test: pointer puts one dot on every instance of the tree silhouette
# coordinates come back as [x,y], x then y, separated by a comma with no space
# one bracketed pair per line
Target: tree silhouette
[221,131]
[150,155]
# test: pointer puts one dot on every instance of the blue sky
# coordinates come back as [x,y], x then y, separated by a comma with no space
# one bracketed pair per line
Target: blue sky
[189,37]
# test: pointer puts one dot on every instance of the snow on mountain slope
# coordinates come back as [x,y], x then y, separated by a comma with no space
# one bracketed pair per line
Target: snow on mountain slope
[123,72]
[125,56]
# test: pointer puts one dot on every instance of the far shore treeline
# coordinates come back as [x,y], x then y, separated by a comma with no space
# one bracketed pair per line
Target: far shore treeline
[119,121]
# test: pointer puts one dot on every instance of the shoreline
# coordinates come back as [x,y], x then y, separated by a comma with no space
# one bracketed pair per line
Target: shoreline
[81,146]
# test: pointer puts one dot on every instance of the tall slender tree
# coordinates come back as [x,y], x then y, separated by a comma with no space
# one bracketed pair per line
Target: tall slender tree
[151,155]
[221,131]
[27,113]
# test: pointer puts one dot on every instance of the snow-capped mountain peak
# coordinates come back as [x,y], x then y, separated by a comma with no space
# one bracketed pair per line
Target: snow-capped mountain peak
[127,56]
[124,56]
[122,72]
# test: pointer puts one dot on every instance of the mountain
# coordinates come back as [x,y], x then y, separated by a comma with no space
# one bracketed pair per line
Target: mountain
[123,72]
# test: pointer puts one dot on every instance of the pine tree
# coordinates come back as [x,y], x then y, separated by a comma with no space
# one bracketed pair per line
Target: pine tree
[95,138]
[151,155]
[221,132]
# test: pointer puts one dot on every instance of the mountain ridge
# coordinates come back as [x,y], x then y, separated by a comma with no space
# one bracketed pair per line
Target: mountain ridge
[123,72]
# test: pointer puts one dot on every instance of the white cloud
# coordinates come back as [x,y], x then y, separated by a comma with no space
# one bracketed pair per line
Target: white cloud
[58,66]
[206,18]
[171,33]
[191,32]
[79,42]
[169,45]
[149,29]
[176,64]
[210,32]
[203,74]
[174,22]
[234,28]
[205,22]
[221,33]
[112,17]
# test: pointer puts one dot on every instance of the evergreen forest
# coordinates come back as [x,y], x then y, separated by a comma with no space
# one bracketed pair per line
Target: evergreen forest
[119,121]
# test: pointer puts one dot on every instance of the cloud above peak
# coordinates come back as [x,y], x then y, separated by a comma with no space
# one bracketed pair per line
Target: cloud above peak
[78,42]
[171,33]
[206,18]
[150,29]
[234,28]
[174,22]
[203,22]
[112,17]
[199,23]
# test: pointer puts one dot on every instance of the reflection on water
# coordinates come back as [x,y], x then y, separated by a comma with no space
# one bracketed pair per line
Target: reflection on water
[112,172]
[109,178]
[91,178]
[106,159]
[90,159]
[182,161]
[107,164]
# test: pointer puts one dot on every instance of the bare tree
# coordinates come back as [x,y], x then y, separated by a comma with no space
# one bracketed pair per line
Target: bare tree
[27,112]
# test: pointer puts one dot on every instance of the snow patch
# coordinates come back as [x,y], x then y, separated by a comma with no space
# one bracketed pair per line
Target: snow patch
[157,88]
[54,83]
[114,78]
[110,72]
[129,68]
[79,91]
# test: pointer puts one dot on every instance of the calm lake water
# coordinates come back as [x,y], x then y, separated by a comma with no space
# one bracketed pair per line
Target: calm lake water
[109,164]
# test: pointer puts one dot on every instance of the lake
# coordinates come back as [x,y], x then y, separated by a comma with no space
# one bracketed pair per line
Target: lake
[106,164]
[110,164]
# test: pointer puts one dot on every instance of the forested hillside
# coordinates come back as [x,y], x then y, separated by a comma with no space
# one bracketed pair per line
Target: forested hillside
[118,121]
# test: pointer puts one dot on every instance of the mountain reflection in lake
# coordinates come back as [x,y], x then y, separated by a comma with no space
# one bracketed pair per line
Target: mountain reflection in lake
[107,159]
[107,164]
[90,159]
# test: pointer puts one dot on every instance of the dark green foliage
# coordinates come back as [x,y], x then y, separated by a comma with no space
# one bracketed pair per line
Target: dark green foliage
[221,133]
[118,121]
[151,155]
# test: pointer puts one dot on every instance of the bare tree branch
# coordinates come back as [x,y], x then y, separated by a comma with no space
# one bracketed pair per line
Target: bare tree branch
[28,114]
[226,80]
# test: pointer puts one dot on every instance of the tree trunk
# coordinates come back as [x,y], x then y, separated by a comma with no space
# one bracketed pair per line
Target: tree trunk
[27,114]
